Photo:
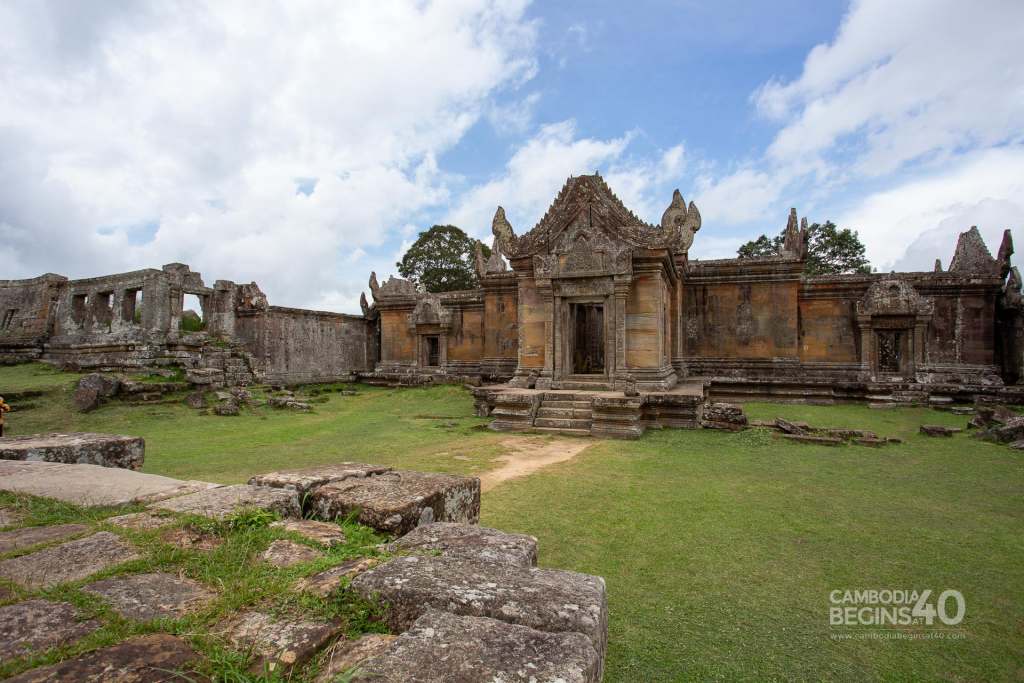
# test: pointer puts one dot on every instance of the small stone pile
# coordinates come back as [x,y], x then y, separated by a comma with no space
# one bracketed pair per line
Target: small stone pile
[802,432]
[998,424]
[723,416]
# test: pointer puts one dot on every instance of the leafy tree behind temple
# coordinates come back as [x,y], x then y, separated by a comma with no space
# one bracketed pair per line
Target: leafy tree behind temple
[829,250]
[441,260]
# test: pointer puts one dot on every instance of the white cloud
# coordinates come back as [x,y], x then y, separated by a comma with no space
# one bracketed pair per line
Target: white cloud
[911,225]
[539,167]
[198,118]
[905,80]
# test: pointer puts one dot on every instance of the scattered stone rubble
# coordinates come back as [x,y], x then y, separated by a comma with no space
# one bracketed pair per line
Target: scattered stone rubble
[468,603]
[802,432]
[723,416]
[939,430]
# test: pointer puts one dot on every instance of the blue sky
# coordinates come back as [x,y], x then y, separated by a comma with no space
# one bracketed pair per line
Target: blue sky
[303,145]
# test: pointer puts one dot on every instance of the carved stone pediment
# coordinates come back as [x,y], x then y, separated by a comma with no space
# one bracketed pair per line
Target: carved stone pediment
[429,311]
[588,201]
[894,296]
[393,287]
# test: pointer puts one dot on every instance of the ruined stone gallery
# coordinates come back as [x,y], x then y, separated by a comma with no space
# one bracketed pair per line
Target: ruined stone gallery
[590,299]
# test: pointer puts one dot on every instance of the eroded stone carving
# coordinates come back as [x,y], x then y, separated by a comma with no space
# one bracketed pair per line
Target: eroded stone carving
[892,295]
[972,256]
[681,222]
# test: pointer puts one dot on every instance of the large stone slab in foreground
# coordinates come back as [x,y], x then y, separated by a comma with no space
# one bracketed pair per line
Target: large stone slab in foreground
[459,649]
[88,485]
[545,599]
[144,597]
[399,501]
[305,480]
[154,658]
[225,500]
[34,535]
[36,625]
[277,643]
[69,561]
[470,542]
[81,448]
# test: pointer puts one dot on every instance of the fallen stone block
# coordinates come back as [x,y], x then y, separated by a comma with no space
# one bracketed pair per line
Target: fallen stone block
[305,480]
[398,501]
[788,427]
[872,442]
[545,599]
[1017,445]
[205,376]
[106,450]
[813,439]
[348,654]
[227,408]
[277,643]
[848,434]
[85,399]
[178,489]
[326,582]
[105,386]
[197,399]
[86,485]
[34,535]
[464,649]
[723,416]
[284,553]
[470,542]
[1011,430]
[69,561]
[35,625]
[140,521]
[153,658]
[938,430]
[144,597]
[324,533]
[225,500]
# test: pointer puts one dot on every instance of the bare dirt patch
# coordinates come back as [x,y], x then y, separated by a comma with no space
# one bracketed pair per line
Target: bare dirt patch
[525,456]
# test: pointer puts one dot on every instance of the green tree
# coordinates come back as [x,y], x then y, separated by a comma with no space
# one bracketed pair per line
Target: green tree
[829,250]
[442,260]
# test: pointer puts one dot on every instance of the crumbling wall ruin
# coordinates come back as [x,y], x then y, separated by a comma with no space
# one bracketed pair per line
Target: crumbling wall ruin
[134,322]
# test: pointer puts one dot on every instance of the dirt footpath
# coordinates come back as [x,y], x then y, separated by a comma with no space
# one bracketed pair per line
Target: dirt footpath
[526,455]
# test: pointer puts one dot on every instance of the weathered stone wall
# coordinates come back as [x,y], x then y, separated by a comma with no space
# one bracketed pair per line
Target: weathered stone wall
[27,310]
[645,310]
[295,346]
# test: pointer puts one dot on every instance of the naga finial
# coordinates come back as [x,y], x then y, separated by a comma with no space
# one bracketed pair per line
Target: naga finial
[680,222]
[504,235]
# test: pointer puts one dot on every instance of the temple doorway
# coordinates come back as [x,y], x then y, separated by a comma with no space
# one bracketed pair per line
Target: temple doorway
[890,351]
[432,351]
[588,338]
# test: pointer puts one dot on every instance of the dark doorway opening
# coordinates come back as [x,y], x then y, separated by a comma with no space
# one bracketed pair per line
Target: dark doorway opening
[890,353]
[433,351]
[587,339]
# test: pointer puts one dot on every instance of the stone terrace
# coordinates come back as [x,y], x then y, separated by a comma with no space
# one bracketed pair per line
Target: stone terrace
[466,603]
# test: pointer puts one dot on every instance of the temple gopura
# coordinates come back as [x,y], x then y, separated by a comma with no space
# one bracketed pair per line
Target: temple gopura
[592,321]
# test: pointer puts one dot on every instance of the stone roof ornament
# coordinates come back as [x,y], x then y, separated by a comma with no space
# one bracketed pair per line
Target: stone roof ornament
[972,256]
[1012,297]
[479,265]
[363,304]
[794,241]
[504,235]
[374,286]
[681,222]
[393,287]
[1005,252]
[938,265]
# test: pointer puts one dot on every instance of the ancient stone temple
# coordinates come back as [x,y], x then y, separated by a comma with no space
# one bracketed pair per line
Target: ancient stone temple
[593,321]
[593,299]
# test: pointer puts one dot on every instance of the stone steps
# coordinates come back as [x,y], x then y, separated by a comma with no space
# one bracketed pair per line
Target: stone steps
[565,413]
[565,404]
[557,423]
[561,430]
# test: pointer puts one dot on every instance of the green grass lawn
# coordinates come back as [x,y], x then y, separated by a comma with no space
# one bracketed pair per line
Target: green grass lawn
[719,549]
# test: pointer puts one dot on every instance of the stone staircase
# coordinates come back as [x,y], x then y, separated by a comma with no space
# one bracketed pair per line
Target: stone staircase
[565,414]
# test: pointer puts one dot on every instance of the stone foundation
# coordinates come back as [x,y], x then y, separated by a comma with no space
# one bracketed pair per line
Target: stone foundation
[106,450]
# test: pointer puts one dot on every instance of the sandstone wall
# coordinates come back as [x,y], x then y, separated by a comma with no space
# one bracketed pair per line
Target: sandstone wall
[294,346]
[27,309]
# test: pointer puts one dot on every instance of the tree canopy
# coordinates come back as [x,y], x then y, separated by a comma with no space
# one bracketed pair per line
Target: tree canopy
[441,260]
[829,249]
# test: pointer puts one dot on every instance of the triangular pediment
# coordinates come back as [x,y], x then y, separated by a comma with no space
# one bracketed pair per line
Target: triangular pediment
[587,209]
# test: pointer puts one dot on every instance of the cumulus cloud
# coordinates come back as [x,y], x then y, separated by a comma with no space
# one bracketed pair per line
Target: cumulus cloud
[135,134]
[912,224]
[540,166]
[926,96]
